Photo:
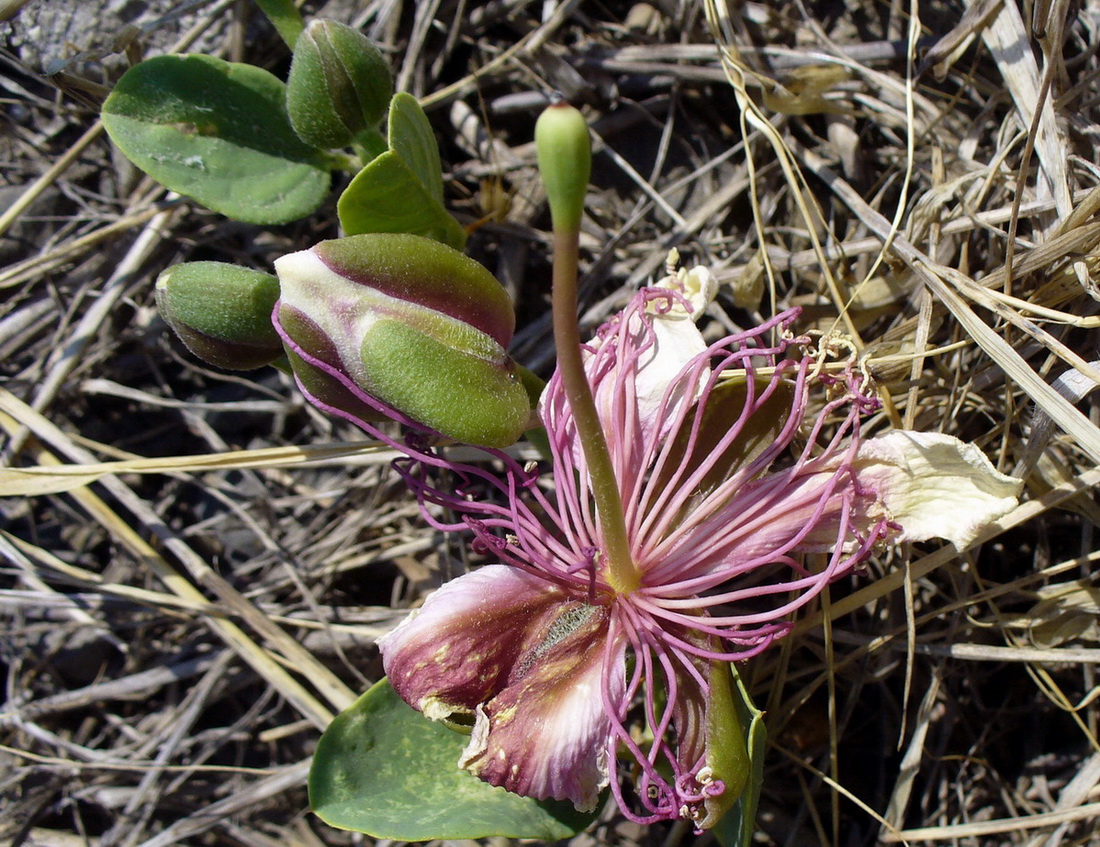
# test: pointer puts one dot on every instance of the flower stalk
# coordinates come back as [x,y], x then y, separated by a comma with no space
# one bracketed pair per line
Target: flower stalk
[565,157]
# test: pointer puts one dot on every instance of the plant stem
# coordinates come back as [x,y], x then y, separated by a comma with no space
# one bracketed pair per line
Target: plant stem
[622,575]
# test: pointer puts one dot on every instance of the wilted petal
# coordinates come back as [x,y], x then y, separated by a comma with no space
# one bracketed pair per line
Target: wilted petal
[935,486]
[545,735]
[460,648]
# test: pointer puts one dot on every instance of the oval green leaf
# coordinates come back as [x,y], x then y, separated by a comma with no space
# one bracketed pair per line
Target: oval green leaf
[402,189]
[383,769]
[218,132]
[411,137]
[386,196]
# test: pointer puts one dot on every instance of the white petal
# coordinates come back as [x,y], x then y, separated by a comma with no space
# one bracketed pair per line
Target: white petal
[673,343]
[306,283]
[676,342]
[934,485]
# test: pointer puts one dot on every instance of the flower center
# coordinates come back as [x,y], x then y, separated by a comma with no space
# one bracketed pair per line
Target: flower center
[622,577]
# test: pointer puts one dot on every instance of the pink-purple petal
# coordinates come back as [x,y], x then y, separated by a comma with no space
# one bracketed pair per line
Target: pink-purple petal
[545,734]
[459,649]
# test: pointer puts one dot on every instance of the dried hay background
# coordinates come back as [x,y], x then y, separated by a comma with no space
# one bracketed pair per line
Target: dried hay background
[196,564]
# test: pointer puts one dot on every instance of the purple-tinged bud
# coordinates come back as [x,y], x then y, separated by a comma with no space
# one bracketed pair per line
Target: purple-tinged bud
[339,85]
[222,313]
[410,324]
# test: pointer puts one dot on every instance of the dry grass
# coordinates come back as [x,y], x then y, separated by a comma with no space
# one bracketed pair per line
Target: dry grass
[197,565]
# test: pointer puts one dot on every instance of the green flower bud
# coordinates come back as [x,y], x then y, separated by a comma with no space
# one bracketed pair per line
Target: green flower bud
[565,162]
[339,85]
[407,326]
[222,313]
[727,754]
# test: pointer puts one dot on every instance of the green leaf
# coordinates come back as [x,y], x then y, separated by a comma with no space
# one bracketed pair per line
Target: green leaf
[386,196]
[285,17]
[402,189]
[383,769]
[737,827]
[218,132]
[412,139]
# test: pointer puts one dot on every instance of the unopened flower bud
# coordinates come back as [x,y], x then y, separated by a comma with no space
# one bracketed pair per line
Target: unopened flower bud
[726,772]
[339,85]
[222,313]
[409,326]
[565,162]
